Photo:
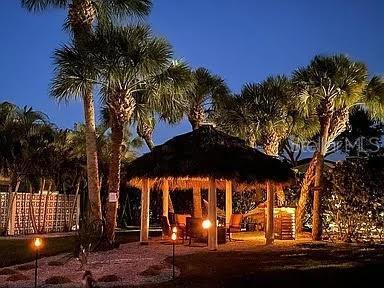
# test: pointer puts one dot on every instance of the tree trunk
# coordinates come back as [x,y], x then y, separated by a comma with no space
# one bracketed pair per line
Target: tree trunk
[148,140]
[304,193]
[92,164]
[114,180]
[11,198]
[42,185]
[32,210]
[196,116]
[145,131]
[271,148]
[81,15]
[196,196]
[316,214]
[46,206]
[74,203]
[325,123]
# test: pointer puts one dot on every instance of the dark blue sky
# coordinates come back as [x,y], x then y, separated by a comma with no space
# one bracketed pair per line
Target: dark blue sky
[242,41]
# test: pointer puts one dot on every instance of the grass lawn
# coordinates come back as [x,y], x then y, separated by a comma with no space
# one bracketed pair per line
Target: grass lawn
[17,251]
[345,266]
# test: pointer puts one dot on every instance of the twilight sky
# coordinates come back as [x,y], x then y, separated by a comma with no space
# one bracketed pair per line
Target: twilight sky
[241,40]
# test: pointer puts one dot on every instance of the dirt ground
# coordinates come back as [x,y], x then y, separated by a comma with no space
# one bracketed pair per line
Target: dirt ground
[246,262]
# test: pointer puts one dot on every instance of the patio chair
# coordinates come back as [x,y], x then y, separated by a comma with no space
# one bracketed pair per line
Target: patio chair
[234,224]
[194,228]
[181,224]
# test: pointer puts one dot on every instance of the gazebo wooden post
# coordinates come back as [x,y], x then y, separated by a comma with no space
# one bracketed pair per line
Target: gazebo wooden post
[228,202]
[145,193]
[269,230]
[165,189]
[212,215]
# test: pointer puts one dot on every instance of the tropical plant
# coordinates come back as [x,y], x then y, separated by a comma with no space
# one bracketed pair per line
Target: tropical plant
[135,72]
[264,114]
[329,87]
[206,94]
[354,201]
[83,15]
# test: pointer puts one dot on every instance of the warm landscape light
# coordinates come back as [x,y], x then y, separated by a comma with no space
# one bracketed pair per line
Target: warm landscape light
[173,236]
[174,229]
[37,242]
[207,224]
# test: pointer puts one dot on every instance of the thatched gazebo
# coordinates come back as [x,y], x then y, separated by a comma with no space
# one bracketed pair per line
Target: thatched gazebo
[206,158]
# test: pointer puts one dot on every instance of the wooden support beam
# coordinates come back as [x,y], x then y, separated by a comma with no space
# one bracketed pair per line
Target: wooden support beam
[269,229]
[145,194]
[228,202]
[165,189]
[212,215]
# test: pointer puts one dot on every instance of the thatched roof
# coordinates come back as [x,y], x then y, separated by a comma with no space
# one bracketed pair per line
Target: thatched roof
[203,153]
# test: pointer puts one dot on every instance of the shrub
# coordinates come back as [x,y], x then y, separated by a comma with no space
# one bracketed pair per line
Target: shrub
[57,280]
[152,270]
[109,278]
[17,277]
[55,263]
[7,271]
[354,201]
[25,267]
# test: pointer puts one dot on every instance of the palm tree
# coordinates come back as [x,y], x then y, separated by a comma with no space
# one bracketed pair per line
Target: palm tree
[329,87]
[82,16]
[264,114]
[206,94]
[136,73]
[25,138]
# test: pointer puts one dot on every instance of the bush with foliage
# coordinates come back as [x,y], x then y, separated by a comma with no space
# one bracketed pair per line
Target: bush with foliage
[354,201]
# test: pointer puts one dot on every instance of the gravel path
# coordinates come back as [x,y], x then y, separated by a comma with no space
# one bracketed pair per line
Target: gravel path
[131,264]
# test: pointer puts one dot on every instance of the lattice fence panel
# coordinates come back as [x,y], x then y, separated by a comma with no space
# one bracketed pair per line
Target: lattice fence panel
[46,213]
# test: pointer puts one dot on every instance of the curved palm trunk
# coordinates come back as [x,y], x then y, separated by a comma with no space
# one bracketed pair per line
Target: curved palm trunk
[304,193]
[92,162]
[114,180]
[325,123]
[145,131]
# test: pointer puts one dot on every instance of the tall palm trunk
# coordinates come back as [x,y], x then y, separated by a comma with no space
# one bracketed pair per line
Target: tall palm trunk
[145,131]
[271,148]
[196,118]
[114,179]
[304,193]
[81,15]
[325,123]
[197,209]
[92,162]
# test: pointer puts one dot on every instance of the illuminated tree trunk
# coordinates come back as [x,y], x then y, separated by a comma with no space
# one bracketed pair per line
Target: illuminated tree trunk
[81,15]
[114,180]
[92,162]
[325,124]
[196,195]
[271,148]
[304,193]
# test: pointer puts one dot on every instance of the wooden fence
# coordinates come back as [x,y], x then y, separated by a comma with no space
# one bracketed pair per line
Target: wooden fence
[38,213]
